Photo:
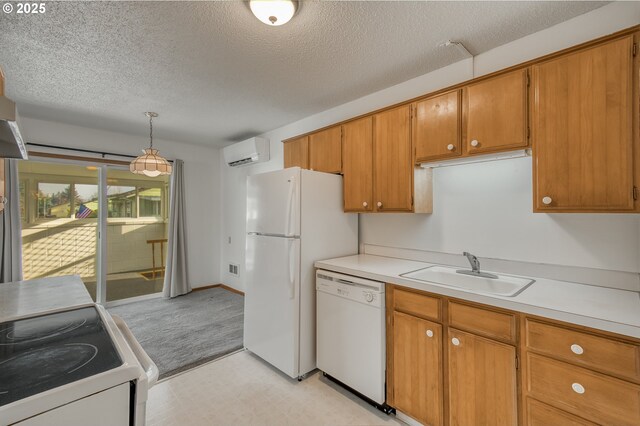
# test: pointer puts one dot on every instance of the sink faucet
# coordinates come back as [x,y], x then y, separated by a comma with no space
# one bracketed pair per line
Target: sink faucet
[475,268]
[475,263]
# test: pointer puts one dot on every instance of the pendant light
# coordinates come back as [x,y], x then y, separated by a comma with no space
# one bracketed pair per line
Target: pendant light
[150,163]
[273,12]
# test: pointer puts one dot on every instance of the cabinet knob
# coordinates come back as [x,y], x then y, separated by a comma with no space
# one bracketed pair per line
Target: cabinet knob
[365,204]
[451,147]
[429,333]
[577,388]
[379,203]
[475,143]
[577,349]
[455,341]
[546,200]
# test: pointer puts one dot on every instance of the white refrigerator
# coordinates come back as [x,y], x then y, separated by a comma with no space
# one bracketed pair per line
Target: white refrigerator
[294,217]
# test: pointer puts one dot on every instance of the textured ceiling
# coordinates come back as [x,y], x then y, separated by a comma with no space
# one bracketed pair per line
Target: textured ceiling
[217,74]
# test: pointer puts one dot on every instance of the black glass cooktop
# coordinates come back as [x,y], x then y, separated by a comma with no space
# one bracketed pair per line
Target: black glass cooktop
[42,353]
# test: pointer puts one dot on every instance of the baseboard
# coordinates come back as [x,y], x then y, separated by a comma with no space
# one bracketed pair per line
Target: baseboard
[226,287]
[205,287]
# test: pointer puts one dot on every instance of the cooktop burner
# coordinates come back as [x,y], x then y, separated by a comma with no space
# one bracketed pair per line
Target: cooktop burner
[32,329]
[42,353]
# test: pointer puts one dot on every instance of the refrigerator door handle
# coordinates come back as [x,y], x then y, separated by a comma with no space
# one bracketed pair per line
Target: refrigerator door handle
[291,271]
[292,185]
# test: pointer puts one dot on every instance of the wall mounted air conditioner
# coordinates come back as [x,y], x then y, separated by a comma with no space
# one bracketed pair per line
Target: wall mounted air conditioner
[251,151]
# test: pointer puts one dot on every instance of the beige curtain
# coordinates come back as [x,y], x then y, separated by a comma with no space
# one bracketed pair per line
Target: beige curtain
[176,279]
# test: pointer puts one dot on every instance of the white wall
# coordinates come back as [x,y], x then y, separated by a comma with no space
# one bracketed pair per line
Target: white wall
[484,208]
[202,181]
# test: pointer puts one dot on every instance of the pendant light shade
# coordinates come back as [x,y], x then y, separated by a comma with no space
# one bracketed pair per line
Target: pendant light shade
[150,163]
[273,12]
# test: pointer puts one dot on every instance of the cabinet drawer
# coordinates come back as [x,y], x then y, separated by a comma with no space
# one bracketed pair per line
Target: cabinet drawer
[416,304]
[539,414]
[498,325]
[582,392]
[585,349]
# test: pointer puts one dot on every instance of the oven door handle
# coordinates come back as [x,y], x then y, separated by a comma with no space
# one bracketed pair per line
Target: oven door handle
[150,368]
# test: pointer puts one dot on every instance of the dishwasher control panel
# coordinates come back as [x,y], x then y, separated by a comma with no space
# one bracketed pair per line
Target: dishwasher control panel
[357,289]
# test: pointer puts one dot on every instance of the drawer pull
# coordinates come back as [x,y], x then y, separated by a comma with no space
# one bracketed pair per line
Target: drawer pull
[455,341]
[451,147]
[429,333]
[577,388]
[577,349]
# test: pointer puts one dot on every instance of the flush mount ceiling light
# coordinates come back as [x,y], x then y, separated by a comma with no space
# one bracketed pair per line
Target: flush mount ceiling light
[273,12]
[150,163]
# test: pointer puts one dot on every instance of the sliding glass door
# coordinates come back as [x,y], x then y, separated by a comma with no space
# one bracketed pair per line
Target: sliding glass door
[62,223]
[137,221]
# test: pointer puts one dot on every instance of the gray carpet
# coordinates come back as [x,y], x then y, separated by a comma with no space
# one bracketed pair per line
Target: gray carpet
[186,331]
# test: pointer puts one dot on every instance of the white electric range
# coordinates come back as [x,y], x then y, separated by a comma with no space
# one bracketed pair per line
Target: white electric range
[71,366]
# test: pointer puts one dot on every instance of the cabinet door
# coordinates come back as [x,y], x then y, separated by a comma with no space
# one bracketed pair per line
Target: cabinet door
[296,153]
[417,368]
[357,167]
[325,150]
[582,130]
[436,127]
[482,380]
[495,113]
[393,165]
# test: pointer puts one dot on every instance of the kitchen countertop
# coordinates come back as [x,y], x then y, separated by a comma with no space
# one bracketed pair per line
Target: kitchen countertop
[25,298]
[617,311]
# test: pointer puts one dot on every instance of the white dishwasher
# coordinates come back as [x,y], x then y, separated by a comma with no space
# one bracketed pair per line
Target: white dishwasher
[351,333]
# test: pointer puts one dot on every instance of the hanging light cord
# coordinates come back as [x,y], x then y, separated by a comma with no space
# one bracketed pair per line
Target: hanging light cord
[151,130]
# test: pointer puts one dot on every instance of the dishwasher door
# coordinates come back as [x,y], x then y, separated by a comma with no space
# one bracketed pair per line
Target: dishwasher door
[351,332]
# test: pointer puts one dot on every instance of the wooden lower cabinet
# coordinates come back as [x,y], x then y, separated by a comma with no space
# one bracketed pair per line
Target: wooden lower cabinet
[459,363]
[417,379]
[440,375]
[482,380]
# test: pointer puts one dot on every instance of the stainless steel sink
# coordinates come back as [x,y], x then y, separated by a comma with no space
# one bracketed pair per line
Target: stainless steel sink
[503,285]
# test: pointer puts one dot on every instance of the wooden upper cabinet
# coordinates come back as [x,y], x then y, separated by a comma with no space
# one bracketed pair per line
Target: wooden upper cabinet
[357,167]
[393,160]
[495,113]
[436,127]
[482,381]
[325,150]
[582,130]
[417,368]
[296,152]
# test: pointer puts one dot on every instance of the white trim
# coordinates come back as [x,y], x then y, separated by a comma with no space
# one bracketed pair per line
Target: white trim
[101,266]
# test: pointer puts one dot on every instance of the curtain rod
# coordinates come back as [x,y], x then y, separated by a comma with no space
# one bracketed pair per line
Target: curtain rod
[90,151]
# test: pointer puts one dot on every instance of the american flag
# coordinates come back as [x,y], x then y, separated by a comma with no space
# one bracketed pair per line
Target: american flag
[83,212]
